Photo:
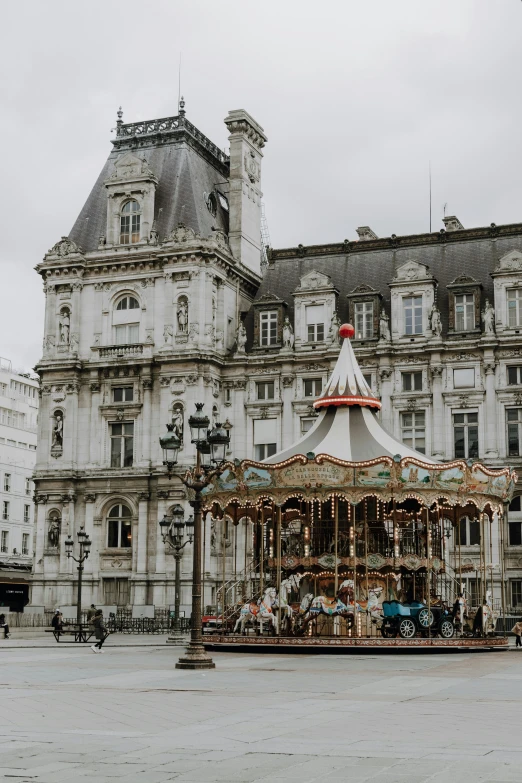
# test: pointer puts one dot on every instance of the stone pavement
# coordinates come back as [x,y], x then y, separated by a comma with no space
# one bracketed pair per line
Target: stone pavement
[67,714]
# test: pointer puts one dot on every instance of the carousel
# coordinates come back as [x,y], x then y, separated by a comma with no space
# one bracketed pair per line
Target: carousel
[351,538]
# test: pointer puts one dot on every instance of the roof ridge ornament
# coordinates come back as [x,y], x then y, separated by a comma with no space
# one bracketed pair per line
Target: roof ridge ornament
[347,385]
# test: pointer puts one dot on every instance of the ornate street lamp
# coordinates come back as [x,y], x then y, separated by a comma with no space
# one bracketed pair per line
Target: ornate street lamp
[172,532]
[85,547]
[210,447]
[170,444]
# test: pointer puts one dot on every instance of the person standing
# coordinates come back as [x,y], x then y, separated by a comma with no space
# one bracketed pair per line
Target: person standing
[100,631]
[5,626]
[517,630]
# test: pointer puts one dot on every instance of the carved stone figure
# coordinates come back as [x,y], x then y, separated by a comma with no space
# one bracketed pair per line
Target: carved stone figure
[168,331]
[74,342]
[65,326]
[182,315]
[57,441]
[384,326]
[435,322]
[488,318]
[53,533]
[288,334]
[241,338]
[177,421]
[154,234]
[333,332]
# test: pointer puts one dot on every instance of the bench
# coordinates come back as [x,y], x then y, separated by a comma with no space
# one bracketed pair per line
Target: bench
[81,633]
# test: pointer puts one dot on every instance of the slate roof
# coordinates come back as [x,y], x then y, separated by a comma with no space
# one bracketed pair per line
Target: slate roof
[473,252]
[185,170]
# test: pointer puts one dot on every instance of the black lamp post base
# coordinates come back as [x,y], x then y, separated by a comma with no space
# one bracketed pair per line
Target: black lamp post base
[196,658]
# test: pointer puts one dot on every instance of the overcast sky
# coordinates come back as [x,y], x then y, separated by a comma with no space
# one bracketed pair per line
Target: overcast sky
[355,96]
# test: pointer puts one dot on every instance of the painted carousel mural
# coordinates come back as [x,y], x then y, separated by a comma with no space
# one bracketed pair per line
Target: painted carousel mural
[354,535]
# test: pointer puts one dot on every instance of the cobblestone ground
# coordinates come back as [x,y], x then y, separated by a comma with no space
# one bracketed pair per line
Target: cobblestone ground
[67,714]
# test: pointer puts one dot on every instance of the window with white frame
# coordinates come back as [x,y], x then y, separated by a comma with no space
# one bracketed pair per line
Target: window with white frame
[123,394]
[465,435]
[363,320]
[127,334]
[265,390]
[514,431]
[516,593]
[469,532]
[28,486]
[12,418]
[4,541]
[27,513]
[126,318]
[514,375]
[268,327]
[412,309]
[306,425]
[265,438]
[7,482]
[315,316]
[411,381]
[312,387]
[464,378]
[514,304]
[119,527]
[25,543]
[122,444]
[413,430]
[5,510]
[130,220]
[464,312]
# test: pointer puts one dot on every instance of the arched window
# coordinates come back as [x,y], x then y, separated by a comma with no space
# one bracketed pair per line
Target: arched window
[126,321]
[130,219]
[119,527]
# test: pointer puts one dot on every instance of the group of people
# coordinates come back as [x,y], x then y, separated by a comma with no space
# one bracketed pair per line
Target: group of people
[94,620]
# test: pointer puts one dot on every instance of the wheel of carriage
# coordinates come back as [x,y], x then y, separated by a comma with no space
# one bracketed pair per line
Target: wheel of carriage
[446,628]
[425,618]
[407,628]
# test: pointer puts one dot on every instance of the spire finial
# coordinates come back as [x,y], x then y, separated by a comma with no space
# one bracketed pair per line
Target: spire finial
[182,106]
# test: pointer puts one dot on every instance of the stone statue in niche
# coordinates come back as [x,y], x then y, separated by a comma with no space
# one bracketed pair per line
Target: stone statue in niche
[53,533]
[213,536]
[384,326]
[65,326]
[241,338]
[333,332]
[57,433]
[182,315]
[435,322]
[177,421]
[488,318]
[288,334]
[154,234]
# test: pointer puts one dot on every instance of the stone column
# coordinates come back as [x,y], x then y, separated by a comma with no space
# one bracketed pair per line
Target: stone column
[95,429]
[490,424]
[39,543]
[159,596]
[287,434]
[146,422]
[97,545]
[89,498]
[437,449]
[220,315]
[169,317]
[385,375]
[70,427]
[50,320]
[74,337]
[141,554]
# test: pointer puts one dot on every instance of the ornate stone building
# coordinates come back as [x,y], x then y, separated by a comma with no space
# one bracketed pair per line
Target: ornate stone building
[158,299]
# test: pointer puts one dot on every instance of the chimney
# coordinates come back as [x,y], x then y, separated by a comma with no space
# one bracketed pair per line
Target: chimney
[452,223]
[365,233]
[246,142]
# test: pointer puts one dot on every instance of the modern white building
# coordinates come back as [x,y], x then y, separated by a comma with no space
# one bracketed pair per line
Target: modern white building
[159,298]
[18,431]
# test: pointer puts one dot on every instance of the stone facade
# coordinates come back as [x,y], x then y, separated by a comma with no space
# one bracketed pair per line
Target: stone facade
[155,301]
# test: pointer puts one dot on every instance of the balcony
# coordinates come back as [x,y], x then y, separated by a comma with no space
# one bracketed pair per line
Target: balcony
[120,351]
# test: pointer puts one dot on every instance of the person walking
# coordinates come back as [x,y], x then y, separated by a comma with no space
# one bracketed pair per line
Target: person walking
[57,623]
[517,630]
[5,626]
[100,631]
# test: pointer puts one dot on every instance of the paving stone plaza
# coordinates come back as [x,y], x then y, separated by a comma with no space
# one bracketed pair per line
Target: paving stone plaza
[70,715]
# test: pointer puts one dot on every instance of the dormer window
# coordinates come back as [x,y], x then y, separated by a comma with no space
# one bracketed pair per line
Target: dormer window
[130,220]
[363,320]
[412,306]
[514,303]
[268,324]
[464,312]
[315,318]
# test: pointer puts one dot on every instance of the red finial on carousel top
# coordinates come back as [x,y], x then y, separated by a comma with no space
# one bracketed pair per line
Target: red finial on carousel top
[346,330]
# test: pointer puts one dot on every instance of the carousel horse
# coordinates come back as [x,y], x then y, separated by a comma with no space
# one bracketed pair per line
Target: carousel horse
[373,604]
[312,607]
[260,611]
[286,612]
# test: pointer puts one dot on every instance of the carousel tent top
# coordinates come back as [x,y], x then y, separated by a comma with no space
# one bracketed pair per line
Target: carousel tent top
[347,427]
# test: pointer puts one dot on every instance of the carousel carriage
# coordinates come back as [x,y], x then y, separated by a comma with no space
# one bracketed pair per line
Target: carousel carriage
[363,526]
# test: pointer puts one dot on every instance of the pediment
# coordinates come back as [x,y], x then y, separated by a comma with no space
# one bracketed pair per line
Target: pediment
[464,280]
[412,270]
[362,290]
[314,280]
[65,247]
[130,167]
[268,299]
[510,262]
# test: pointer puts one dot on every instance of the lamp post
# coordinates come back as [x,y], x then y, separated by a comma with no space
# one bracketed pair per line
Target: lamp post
[85,548]
[172,532]
[211,446]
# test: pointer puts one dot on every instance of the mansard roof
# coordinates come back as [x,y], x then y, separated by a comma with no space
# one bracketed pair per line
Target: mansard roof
[188,167]
[472,252]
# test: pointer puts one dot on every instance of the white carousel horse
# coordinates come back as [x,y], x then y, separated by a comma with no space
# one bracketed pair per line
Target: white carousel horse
[339,606]
[286,612]
[260,611]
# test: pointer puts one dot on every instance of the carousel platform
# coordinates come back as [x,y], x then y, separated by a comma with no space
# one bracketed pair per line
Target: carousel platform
[346,646]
